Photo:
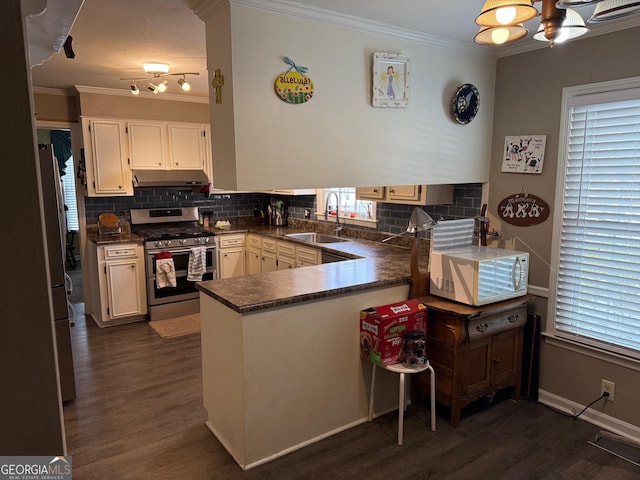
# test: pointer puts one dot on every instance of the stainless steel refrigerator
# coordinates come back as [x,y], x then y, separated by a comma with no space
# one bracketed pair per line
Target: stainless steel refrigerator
[55,225]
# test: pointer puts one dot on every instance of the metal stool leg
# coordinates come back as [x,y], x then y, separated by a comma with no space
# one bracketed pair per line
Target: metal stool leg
[373,384]
[401,406]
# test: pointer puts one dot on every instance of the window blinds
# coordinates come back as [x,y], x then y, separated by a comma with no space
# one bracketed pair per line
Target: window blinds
[598,269]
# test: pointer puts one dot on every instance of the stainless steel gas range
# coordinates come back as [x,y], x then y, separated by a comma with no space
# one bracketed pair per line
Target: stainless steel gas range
[176,231]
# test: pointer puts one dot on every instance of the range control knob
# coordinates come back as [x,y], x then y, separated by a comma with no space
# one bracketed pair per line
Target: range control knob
[157,243]
[167,243]
[183,241]
[205,240]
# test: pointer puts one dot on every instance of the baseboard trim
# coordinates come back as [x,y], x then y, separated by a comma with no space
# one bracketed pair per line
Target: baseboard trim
[594,417]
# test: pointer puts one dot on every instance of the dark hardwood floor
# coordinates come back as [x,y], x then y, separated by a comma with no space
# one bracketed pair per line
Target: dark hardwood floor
[138,415]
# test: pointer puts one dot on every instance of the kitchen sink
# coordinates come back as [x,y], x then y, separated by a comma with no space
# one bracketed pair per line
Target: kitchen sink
[313,237]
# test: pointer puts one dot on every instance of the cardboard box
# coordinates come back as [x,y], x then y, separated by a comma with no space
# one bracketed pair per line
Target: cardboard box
[381,329]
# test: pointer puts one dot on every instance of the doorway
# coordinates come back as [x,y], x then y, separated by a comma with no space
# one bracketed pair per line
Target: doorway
[62,136]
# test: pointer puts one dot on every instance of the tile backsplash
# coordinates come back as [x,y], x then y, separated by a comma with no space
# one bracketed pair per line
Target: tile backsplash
[392,218]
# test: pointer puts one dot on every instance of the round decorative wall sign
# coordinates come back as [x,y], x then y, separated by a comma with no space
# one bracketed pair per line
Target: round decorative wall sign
[293,86]
[523,210]
[466,102]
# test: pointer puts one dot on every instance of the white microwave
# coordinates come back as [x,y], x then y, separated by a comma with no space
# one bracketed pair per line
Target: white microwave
[478,275]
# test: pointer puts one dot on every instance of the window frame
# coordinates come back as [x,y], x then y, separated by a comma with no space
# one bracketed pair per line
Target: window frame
[592,94]
[320,208]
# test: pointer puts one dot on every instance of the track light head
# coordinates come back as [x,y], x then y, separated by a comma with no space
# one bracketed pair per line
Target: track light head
[134,88]
[184,84]
[162,87]
[153,88]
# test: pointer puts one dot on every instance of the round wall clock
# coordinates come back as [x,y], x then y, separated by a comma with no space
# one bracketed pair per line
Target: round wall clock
[465,103]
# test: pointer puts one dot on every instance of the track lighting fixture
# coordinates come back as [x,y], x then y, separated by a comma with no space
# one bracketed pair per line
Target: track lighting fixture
[157,82]
[184,84]
[501,21]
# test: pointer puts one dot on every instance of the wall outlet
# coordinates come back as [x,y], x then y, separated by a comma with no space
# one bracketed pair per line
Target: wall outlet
[608,386]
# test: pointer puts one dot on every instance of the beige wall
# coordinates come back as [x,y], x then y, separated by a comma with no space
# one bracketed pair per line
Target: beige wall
[528,99]
[120,106]
[56,108]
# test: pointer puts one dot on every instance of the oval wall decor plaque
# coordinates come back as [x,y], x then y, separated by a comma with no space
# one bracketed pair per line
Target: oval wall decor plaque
[523,210]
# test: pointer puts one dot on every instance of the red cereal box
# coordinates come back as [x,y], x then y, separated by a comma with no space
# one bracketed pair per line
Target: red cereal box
[381,329]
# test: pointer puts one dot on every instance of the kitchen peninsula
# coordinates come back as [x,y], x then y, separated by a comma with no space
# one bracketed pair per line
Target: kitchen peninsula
[280,358]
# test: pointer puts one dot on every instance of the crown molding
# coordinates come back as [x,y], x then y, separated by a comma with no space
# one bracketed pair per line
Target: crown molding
[65,92]
[206,9]
[142,94]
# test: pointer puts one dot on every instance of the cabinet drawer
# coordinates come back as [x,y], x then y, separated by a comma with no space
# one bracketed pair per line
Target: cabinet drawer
[286,249]
[492,324]
[229,241]
[269,245]
[307,255]
[120,251]
[254,242]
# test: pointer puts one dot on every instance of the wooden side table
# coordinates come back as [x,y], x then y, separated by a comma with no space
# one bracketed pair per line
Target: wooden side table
[475,351]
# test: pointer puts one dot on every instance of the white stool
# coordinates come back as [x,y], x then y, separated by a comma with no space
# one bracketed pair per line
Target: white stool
[402,370]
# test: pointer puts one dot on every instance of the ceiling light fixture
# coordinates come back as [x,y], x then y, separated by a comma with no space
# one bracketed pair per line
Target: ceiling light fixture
[572,27]
[157,74]
[613,9]
[184,84]
[501,21]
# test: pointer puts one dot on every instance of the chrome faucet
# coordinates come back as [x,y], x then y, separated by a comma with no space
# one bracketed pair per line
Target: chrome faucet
[326,211]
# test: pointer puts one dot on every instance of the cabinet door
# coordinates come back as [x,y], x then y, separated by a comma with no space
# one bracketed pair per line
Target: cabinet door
[269,261]
[147,145]
[231,263]
[505,355]
[370,193]
[476,373]
[284,263]
[123,288]
[403,192]
[306,256]
[254,261]
[111,175]
[185,147]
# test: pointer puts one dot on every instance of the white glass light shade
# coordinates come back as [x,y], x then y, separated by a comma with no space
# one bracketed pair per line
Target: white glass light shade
[572,27]
[613,9]
[495,13]
[575,3]
[500,35]
[158,68]
[134,88]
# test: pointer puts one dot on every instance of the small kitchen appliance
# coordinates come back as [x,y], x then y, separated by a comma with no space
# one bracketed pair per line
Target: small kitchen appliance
[176,231]
[474,275]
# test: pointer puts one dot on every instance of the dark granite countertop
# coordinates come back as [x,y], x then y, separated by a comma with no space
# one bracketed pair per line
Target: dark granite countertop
[375,265]
[93,235]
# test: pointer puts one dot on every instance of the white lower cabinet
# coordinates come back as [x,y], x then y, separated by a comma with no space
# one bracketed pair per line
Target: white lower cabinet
[117,284]
[307,256]
[254,254]
[231,255]
[268,255]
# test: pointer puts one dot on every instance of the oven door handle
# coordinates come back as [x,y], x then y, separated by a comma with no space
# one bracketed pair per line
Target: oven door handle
[187,250]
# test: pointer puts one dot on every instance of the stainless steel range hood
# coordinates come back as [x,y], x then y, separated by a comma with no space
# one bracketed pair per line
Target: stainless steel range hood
[169,178]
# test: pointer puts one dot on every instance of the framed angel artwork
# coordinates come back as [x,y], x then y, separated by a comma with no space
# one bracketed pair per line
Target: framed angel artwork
[391,74]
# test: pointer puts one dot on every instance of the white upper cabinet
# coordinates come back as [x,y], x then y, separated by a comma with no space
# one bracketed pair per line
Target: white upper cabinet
[168,146]
[186,148]
[105,158]
[147,142]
